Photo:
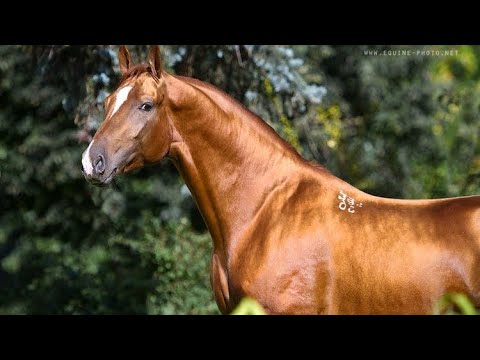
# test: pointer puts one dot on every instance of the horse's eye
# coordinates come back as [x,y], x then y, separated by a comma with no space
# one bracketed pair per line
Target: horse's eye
[146,106]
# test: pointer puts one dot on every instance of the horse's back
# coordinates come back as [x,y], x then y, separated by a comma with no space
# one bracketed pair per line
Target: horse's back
[397,256]
[406,254]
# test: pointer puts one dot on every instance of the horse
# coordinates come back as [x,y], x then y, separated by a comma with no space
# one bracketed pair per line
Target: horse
[286,232]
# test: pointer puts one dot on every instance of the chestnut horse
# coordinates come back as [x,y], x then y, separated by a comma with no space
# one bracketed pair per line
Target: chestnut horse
[286,232]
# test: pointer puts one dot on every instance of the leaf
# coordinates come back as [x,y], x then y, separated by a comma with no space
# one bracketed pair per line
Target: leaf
[249,306]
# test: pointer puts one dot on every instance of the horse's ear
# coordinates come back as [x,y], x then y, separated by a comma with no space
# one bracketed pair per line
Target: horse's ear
[155,60]
[124,59]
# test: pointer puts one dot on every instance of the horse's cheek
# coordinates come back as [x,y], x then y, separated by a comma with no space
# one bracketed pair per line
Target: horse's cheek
[137,129]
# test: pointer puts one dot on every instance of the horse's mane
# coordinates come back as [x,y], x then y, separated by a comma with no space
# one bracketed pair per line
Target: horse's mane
[237,106]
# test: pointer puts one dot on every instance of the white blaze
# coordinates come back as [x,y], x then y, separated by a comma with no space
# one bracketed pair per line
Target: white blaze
[121,98]
[87,164]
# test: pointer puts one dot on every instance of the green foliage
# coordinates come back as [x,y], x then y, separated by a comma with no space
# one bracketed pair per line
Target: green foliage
[454,304]
[396,126]
[249,306]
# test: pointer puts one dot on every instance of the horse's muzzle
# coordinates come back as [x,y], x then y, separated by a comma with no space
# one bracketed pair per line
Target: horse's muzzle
[98,179]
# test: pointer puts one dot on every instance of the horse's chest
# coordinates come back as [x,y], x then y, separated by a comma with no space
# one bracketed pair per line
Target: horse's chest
[281,282]
[220,286]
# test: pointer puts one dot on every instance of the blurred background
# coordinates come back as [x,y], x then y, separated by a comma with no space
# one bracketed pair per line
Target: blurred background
[393,125]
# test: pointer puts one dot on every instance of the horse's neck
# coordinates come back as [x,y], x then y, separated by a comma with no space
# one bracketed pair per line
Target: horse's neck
[229,159]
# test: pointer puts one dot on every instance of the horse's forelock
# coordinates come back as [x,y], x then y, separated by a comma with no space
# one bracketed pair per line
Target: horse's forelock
[136,71]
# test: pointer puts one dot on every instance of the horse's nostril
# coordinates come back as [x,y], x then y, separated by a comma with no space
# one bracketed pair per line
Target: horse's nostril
[99,164]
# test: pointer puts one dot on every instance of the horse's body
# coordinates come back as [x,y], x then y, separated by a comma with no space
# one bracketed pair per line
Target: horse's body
[285,231]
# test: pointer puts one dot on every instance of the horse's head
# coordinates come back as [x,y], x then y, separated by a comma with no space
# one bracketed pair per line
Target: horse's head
[136,129]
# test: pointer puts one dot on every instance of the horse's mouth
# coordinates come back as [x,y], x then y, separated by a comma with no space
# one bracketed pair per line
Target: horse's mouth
[132,163]
[103,183]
